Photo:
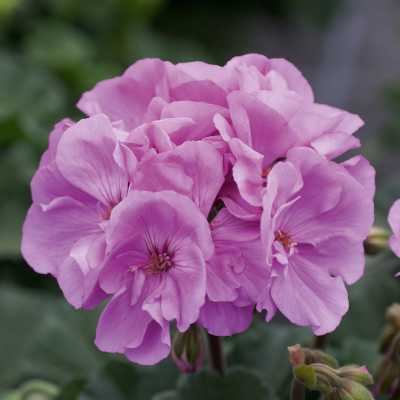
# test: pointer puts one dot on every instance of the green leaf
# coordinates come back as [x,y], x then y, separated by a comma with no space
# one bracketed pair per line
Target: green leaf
[369,298]
[239,383]
[264,348]
[123,380]
[72,389]
[168,395]
[43,337]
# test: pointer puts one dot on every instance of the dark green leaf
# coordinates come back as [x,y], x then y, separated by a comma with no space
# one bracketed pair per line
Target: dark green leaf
[264,347]
[126,380]
[72,389]
[239,383]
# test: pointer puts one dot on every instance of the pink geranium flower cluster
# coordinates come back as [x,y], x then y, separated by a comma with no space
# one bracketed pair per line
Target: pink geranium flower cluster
[195,193]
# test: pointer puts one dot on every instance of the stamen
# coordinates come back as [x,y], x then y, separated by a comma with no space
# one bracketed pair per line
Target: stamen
[266,172]
[284,237]
[158,263]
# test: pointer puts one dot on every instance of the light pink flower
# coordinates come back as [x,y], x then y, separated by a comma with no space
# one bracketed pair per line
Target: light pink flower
[394,222]
[158,244]
[73,196]
[313,226]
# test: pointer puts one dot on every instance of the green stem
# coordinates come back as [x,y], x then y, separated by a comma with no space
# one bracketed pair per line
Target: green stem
[396,394]
[297,390]
[320,342]
[217,356]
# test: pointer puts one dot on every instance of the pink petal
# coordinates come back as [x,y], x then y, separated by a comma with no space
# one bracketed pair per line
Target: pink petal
[85,158]
[226,226]
[78,289]
[200,91]
[193,169]
[286,104]
[163,217]
[120,98]
[201,71]
[293,77]
[310,296]
[363,172]
[156,346]
[122,325]
[221,283]
[332,145]
[247,174]
[62,223]
[260,127]
[54,138]
[200,112]
[259,61]
[225,319]
[48,184]
[185,287]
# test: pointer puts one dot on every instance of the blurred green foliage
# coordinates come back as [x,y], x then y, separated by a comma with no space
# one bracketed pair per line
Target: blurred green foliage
[391,96]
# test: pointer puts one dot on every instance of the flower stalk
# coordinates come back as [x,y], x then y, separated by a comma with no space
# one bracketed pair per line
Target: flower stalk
[217,355]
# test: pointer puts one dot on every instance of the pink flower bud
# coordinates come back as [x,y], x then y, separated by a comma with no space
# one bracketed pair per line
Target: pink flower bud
[188,349]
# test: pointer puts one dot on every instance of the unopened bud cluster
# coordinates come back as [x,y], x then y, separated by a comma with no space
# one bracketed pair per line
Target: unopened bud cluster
[319,371]
[387,372]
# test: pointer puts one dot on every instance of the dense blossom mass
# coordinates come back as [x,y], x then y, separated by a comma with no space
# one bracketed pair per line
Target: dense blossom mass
[195,193]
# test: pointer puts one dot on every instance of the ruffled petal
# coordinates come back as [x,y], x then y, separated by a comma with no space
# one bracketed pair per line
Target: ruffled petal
[62,223]
[362,171]
[121,98]
[225,319]
[261,127]
[310,296]
[200,112]
[185,287]
[85,158]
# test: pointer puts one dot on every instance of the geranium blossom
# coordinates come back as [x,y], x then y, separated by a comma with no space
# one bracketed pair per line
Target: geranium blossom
[194,193]
[313,224]
[158,245]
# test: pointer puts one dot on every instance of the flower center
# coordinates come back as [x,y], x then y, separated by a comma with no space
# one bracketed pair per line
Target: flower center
[108,213]
[284,237]
[264,175]
[158,263]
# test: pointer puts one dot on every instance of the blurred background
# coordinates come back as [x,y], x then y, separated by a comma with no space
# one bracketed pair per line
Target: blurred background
[51,51]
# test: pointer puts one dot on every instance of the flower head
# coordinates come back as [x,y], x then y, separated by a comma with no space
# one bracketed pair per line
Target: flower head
[313,219]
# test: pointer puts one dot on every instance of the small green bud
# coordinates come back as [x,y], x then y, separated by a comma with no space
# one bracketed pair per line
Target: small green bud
[319,357]
[392,315]
[356,374]
[34,389]
[303,355]
[386,337]
[354,391]
[386,376]
[377,240]
[346,383]
[188,349]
